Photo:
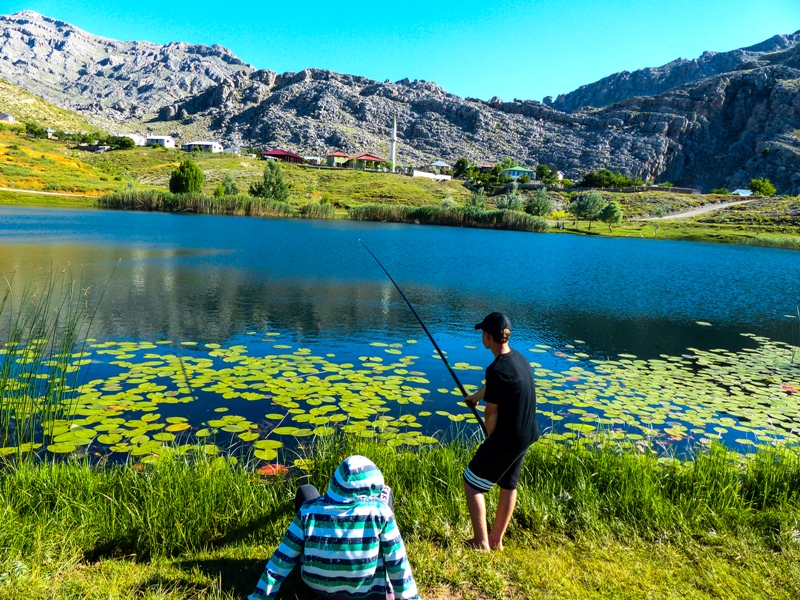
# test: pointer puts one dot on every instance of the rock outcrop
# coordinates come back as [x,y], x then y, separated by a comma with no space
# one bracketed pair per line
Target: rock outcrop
[717,121]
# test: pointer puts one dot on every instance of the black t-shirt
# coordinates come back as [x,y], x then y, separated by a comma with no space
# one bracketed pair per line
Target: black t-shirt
[509,385]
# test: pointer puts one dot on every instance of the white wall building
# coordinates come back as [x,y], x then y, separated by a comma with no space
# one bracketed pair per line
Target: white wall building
[7,118]
[203,147]
[166,141]
[138,140]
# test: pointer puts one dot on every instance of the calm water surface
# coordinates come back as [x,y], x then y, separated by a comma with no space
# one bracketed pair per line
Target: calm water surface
[213,279]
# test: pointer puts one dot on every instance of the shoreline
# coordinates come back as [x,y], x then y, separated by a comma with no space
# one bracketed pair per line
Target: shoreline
[672,229]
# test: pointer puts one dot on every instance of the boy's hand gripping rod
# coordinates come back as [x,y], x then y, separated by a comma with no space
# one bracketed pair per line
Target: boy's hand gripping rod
[430,337]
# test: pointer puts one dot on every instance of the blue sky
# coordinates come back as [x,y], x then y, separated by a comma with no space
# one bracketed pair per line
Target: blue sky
[516,49]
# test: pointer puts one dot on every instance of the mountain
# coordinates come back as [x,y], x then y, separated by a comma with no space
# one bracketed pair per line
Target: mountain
[103,77]
[717,121]
[652,81]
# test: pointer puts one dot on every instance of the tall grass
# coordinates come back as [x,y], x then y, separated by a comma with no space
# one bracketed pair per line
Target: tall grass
[186,502]
[240,204]
[318,211]
[461,216]
[41,327]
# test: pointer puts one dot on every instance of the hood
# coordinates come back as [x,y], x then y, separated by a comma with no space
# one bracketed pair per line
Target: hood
[355,476]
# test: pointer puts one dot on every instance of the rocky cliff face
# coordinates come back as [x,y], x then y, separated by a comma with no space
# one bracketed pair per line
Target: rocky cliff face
[103,77]
[736,118]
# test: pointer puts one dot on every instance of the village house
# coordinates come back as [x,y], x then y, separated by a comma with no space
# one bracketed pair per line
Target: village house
[336,159]
[313,160]
[284,155]
[213,147]
[364,161]
[165,141]
[485,168]
[7,118]
[517,172]
[440,165]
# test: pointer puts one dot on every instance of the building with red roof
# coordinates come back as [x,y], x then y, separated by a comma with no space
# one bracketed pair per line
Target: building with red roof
[365,161]
[284,155]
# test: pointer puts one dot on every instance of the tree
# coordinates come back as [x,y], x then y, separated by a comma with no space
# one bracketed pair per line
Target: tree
[511,201]
[611,214]
[35,131]
[186,179]
[720,192]
[603,178]
[508,163]
[272,186]
[539,205]
[762,187]
[546,175]
[229,187]
[587,207]
[461,167]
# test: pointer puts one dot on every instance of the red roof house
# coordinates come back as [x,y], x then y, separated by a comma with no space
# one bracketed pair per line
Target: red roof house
[366,161]
[283,155]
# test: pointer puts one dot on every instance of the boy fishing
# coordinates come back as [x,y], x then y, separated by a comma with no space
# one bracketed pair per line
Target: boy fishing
[510,416]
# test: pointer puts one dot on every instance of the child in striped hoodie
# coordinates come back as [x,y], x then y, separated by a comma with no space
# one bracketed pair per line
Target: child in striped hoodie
[346,540]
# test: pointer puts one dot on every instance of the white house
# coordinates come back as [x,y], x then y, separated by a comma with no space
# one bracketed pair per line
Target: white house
[203,147]
[741,193]
[166,141]
[7,118]
[138,140]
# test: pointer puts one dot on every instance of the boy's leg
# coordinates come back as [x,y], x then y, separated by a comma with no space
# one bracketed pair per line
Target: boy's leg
[305,493]
[506,502]
[505,508]
[477,514]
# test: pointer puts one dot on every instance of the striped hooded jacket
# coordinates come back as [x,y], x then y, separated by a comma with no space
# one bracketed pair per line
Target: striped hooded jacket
[346,540]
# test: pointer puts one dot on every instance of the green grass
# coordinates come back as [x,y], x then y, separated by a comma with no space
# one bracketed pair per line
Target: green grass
[589,523]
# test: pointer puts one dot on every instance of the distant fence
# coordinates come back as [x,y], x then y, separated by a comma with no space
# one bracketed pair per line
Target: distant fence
[433,176]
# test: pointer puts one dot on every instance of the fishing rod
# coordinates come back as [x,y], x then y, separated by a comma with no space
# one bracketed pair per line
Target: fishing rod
[433,341]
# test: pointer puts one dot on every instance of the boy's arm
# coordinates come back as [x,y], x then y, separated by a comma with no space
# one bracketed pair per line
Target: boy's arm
[476,397]
[490,417]
[281,563]
[397,567]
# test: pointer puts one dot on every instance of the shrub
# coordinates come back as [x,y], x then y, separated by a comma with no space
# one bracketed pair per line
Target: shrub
[720,192]
[229,187]
[186,179]
[272,186]
[762,187]
[539,205]
[449,202]
[318,211]
[194,203]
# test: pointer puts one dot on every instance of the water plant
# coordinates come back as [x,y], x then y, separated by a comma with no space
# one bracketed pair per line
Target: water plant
[239,204]
[39,367]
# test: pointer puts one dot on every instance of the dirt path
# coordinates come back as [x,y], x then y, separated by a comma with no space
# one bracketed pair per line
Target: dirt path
[65,194]
[697,211]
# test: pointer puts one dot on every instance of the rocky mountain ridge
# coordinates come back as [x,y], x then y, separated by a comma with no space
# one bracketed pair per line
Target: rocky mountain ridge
[720,129]
[657,80]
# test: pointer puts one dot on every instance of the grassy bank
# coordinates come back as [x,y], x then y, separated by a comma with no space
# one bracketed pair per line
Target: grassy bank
[589,522]
[460,216]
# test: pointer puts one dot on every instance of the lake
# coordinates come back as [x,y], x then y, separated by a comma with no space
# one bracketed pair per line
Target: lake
[633,338]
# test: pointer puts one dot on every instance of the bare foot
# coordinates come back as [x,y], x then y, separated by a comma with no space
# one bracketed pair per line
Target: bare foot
[498,545]
[475,545]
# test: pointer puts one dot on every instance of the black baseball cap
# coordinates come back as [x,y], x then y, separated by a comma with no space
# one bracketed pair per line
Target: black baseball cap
[494,324]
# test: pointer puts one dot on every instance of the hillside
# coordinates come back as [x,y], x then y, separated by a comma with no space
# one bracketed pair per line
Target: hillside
[716,122]
[24,106]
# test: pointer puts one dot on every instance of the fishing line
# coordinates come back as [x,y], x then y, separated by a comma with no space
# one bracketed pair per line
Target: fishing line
[433,341]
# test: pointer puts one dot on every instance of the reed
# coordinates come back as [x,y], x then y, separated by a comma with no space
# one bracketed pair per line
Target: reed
[458,216]
[240,204]
[43,323]
[318,211]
